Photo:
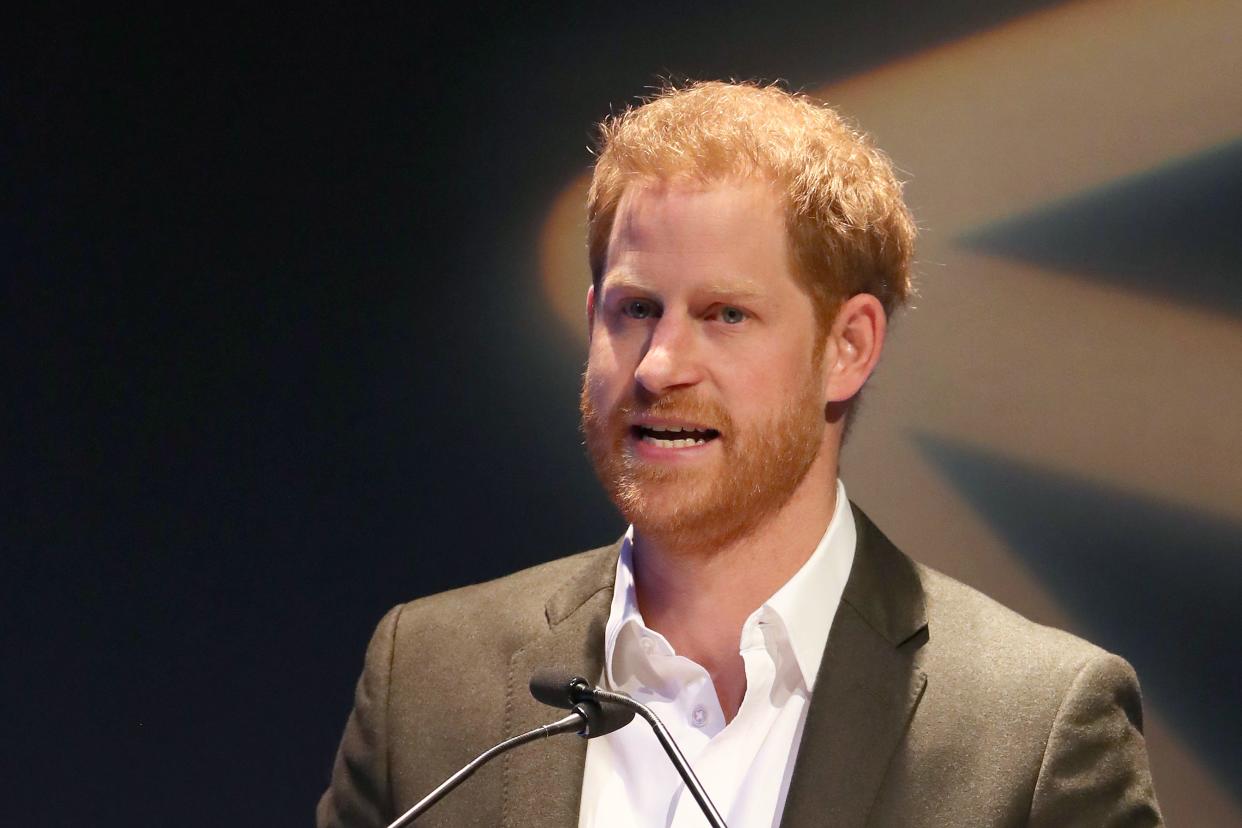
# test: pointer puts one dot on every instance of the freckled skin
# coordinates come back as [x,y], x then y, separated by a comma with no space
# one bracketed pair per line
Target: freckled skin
[699,317]
[700,322]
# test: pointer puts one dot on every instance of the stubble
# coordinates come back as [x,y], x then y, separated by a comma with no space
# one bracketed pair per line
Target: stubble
[709,506]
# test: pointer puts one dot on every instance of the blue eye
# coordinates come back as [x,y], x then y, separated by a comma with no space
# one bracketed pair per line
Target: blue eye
[638,309]
[731,315]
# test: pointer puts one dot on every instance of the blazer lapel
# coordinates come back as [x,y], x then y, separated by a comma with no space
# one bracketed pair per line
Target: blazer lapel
[543,780]
[866,691]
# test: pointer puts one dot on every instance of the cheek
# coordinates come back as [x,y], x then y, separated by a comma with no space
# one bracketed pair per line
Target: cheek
[603,380]
[606,358]
[755,386]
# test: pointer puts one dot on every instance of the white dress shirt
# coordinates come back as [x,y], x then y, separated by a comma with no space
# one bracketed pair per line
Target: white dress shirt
[745,766]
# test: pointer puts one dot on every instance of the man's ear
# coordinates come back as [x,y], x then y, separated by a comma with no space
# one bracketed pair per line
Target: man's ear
[855,341]
[590,309]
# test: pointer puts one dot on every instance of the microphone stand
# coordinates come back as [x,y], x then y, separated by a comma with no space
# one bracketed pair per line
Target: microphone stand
[670,747]
[572,723]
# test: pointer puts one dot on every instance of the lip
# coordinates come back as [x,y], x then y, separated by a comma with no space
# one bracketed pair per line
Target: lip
[659,454]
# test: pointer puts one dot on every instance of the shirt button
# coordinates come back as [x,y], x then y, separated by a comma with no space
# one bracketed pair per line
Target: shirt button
[648,646]
[699,716]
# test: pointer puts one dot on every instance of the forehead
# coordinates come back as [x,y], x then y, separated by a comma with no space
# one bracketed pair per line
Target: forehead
[728,229]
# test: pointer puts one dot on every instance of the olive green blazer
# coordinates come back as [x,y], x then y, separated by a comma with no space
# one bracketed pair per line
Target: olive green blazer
[934,706]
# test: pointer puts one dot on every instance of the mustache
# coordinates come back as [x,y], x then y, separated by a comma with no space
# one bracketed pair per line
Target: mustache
[636,401]
[676,405]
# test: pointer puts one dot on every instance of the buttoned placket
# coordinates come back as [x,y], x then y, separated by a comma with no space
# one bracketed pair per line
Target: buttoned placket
[721,775]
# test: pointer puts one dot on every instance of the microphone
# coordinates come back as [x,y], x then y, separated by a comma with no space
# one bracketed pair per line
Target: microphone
[588,718]
[602,716]
[560,688]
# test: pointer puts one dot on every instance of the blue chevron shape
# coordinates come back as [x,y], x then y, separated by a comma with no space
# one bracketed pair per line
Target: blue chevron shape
[1158,583]
[1172,232]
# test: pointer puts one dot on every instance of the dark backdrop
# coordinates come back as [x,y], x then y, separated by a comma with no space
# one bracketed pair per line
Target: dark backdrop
[276,359]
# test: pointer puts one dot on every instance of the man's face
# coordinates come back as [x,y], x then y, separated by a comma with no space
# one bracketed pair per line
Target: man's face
[703,401]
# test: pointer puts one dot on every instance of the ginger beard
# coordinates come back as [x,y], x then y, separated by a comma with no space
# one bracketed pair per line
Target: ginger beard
[703,508]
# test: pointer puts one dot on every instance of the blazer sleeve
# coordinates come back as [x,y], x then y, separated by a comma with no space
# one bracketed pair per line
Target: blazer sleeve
[1095,770]
[359,796]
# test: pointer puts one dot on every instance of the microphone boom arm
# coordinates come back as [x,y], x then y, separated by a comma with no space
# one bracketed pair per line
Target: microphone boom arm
[572,723]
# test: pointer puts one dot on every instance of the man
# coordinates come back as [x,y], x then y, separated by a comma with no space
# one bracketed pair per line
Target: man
[747,248]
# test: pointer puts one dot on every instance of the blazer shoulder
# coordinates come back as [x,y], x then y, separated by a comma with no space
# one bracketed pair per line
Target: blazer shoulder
[968,628]
[1059,717]
[1018,722]
[513,607]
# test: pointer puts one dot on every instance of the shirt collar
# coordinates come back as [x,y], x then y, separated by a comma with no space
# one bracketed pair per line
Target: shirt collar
[624,611]
[805,605]
[808,601]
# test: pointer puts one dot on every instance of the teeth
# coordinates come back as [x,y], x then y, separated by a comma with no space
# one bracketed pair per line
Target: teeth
[676,444]
[666,428]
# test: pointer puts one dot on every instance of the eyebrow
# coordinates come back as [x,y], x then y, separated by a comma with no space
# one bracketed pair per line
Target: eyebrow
[739,290]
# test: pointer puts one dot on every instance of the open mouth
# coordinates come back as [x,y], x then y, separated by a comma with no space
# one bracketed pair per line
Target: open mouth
[674,436]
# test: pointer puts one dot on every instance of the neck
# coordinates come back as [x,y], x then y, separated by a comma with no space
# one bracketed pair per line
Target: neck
[699,599]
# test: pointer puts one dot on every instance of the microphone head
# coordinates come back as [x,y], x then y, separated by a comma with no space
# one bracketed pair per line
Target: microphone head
[559,688]
[602,717]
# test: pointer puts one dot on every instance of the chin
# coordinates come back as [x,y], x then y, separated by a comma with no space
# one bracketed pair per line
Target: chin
[683,515]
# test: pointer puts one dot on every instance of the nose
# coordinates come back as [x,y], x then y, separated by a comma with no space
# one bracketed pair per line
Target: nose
[672,359]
